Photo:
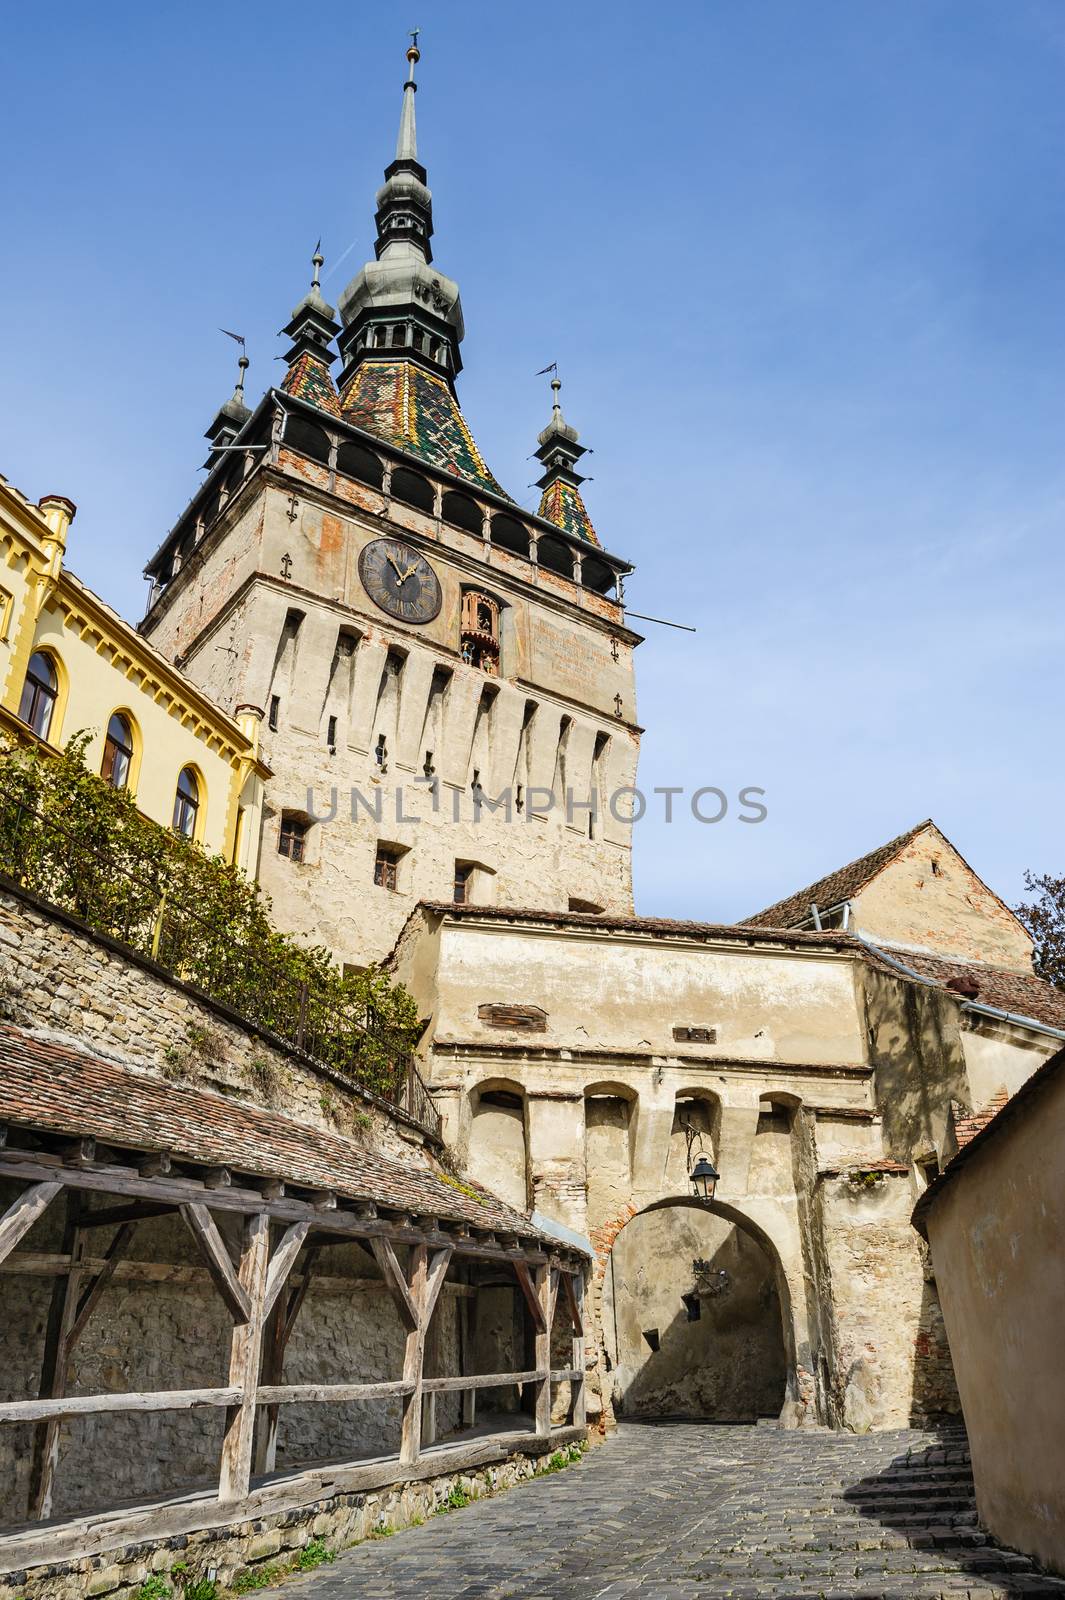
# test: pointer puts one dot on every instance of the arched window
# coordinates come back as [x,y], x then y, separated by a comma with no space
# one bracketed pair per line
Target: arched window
[412,489]
[39,694]
[186,804]
[462,512]
[304,437]
[555,556]
[508,534]
[355,461]
[118,752]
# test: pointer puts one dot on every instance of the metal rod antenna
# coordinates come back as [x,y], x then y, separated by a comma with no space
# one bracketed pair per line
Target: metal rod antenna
[661,621]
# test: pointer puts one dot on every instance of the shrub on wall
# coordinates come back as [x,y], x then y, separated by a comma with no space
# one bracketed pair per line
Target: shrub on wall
[82,845]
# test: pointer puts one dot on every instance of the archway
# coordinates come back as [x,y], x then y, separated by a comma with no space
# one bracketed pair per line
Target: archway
[696,1316]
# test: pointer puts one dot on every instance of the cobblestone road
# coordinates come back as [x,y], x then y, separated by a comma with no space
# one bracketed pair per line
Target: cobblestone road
[681,1510]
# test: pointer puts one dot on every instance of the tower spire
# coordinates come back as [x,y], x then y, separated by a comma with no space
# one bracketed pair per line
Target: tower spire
[560,449]
[312,328]
[400,300]
[230,417]
[407,142]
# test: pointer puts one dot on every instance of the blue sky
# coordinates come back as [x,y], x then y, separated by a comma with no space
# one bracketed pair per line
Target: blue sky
[803,268]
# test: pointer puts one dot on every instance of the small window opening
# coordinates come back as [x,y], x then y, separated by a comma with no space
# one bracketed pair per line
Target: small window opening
[427,764]
[936,868]
[519,798]
[292,840]
[651,1336]
[331,734]
[275,712]
[380,754]
[693,1306]
[386,866]
[588,906]
[463,883]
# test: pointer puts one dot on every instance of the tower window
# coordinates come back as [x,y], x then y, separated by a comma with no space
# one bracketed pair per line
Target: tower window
[292,840]
[275,712]
[380,754]
[186,804]
[331,733]
[463,893]
[39,694]
[386,866]
[427,766]
[118,752]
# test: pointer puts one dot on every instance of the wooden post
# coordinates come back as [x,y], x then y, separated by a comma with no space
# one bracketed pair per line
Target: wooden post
[467,1345]
[62,1314]
[544,1298]
[245,1354]
[279,1329]
[580,1390]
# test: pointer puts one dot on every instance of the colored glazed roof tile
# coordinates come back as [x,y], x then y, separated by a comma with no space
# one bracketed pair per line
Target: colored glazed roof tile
[561,504]
[404,405]
[310,379]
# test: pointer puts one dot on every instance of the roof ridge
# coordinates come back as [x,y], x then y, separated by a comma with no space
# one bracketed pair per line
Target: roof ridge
[887,852]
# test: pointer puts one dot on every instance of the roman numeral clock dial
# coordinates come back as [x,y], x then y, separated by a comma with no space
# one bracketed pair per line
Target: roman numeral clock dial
[400,580]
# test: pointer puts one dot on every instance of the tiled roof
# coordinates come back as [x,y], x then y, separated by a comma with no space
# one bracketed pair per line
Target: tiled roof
[880,1164]
[404,405]
[310,379]
[1020,992]
[664,927]
[835,887]
[561,503]
[49,1085]
[967,1124]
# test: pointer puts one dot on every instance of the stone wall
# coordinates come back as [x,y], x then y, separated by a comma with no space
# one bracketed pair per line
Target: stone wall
[54,974]
[263,1547]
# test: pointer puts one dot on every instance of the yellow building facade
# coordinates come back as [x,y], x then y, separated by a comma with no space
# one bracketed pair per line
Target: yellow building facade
[69,664]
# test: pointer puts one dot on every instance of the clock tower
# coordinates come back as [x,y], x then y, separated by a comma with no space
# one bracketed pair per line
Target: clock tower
[441,681]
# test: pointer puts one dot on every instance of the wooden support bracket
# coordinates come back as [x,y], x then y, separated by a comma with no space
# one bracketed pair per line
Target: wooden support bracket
[217,1260]
[20,1216]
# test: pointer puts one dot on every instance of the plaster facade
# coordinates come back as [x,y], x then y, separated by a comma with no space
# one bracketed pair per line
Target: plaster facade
[102,666]
[566,1058]
[995,1222]
[379,734]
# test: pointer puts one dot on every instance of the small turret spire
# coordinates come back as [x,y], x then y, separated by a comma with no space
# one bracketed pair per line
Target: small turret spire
[317,262]
[407,142]
[312,328]
[560,450]
[231,417]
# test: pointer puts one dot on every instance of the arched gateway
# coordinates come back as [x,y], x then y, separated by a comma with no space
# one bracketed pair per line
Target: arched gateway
[696,1316]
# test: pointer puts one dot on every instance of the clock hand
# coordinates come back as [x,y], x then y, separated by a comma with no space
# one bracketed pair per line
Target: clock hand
[394,564]
[412,568]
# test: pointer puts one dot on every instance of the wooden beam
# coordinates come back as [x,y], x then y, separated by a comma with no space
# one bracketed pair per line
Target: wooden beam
[579,1357]
[410,1434]
[395,1280]
[275,1394]
[486,1380]
[282,1309]
[217,1260]
[546,1290]
[20,1216]
[245,1354]
[532,1300]
[36,1166]
[299,1293]
[114,1216]
[53,1264]
[572,1308]
[283,1260]
[61,1315]
[90,1299]
[91,1405]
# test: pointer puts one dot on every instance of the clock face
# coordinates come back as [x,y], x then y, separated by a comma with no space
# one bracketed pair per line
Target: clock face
[400,580]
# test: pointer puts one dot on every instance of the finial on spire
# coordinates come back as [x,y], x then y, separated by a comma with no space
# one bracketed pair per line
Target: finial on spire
[317,262]
[243,364]
[407,143]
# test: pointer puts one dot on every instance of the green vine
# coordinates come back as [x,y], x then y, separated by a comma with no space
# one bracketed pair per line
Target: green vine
[75,841]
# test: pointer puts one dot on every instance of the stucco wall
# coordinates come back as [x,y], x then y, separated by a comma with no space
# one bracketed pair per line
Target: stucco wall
[929,898]
[996,1233]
